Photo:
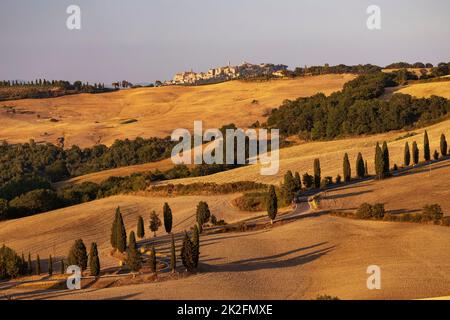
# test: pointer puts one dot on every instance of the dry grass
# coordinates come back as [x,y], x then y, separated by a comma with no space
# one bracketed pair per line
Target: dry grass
[405,194]
[300,158]
[88,119]
[300,260]
[425,90]
[54,232]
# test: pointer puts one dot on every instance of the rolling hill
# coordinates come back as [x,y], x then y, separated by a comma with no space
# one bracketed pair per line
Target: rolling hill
[89,119]
[425,90]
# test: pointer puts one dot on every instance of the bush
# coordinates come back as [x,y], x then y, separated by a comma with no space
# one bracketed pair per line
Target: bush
[11,265]
[33,202]
[364,211]
[368,211]
[432,212]
[253,201]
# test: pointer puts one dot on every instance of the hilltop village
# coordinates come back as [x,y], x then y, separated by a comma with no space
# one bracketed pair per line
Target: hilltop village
[244,70]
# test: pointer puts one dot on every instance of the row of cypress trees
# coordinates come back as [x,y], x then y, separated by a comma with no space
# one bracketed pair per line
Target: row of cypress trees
[426,150]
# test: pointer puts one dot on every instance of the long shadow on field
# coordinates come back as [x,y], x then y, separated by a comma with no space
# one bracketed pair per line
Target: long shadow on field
[271,262]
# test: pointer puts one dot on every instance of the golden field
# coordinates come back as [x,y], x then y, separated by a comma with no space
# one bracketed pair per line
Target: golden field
[331,153]
[89,119]
[55,232]
[425,90]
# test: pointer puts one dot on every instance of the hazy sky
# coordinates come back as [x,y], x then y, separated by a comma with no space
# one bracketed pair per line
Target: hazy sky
[145,40]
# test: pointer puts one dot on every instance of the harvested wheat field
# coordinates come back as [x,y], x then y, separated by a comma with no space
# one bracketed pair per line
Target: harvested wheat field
[54,232]
[305,258]
[89,119]
[331,153]
[426,90]
[407,193]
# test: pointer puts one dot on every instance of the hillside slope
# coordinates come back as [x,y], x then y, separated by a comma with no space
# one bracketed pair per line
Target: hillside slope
[331,153]
[425,90]
[88,119]
[54,232]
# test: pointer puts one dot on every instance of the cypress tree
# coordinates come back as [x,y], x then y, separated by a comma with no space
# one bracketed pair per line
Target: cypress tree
[347,169]
[132,241]
[167,218]
[317,173]
[443,145]
[113,239]
[407,155]
[133,260]
[297,181]
[140,228]
[379,162]
[426,147]
[203,214]
[186,254]
[30,265]
[38,265]
[360,167]
[62,265]
[94,261]
[173,256]
[153,260]
[121,233]
[50,266]
[288,188]
[415,152]
[155,222]
[387,166]
[366,169]
[195,246]
[272,204]
[78,255]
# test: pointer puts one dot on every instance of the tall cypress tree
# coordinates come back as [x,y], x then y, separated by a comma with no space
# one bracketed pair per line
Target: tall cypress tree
[132,241]
[426,147]
[113,239]
[387,166]
[29,265]
[347,169]
[94,261]
[78,255]
[50,266]
[443,145]
[195,246]
[173,256]
[121,233]
[297,181]
[62,266]
[288,187]
[186,254]
[407,155]
[317,173]
[153,260]
[167,218]
[360,167]
[272,204]
[140,228]
[38,265]
[379,162]
[415,152]
[133,260]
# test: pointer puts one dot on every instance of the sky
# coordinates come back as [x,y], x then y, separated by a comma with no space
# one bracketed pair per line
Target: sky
[148,40]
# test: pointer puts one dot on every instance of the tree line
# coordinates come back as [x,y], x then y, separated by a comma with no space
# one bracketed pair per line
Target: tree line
[356,110]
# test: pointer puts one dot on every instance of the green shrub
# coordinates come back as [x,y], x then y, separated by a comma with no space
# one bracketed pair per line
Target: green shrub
[432,212]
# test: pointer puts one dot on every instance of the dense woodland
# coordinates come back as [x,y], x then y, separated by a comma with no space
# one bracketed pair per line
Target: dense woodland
[356,110]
